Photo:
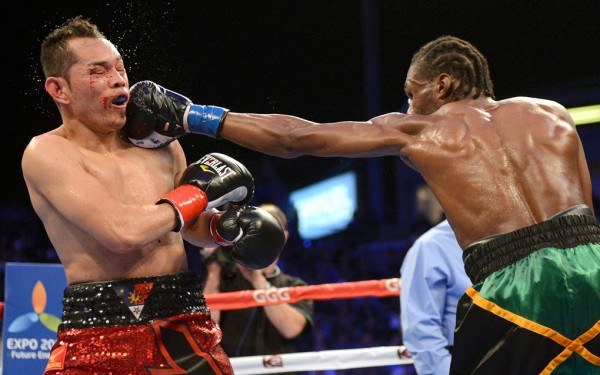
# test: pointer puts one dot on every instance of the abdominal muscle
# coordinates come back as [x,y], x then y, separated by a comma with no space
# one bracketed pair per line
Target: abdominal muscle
[86,260]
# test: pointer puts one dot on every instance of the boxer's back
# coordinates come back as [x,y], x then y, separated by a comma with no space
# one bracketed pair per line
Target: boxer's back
[512,163]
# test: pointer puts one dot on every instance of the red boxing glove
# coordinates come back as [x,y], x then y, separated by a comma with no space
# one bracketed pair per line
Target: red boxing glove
[188,200]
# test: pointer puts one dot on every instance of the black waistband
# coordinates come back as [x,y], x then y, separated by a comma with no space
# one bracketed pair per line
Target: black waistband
[131,301]
[485,257]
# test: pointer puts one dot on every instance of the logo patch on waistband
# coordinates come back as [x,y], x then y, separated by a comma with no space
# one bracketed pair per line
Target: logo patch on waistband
[57,359]
[134,296]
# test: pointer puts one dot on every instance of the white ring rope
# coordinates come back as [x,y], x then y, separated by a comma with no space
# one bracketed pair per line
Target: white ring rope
[322,360]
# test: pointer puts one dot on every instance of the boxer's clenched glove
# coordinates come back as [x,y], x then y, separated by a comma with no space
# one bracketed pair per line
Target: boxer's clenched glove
[157,116]
[256,238]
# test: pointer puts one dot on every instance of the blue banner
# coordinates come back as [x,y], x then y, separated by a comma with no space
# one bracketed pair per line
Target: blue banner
[32,313]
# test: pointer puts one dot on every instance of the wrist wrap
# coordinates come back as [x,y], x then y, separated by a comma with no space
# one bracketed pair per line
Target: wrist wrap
[205,119]
[214,219]
[188,200]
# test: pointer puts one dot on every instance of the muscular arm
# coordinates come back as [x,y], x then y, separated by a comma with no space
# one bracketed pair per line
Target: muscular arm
[197,233]
[60,184]
[289,136]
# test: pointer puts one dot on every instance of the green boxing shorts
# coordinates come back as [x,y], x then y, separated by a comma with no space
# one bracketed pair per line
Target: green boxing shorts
[534,307]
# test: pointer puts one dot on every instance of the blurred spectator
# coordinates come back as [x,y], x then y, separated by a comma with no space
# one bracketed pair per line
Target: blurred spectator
[256,330]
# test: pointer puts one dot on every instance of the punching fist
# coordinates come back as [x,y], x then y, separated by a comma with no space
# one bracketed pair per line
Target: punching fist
[255,236]
[210,182]
[157,116]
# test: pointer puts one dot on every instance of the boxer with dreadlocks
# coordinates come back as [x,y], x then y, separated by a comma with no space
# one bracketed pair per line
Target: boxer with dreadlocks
[512,178]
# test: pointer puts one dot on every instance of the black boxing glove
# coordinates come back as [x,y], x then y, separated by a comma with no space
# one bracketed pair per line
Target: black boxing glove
[157,116]
[210,182]
[255,236]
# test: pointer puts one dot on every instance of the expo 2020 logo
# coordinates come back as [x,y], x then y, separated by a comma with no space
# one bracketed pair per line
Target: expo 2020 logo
[39,299]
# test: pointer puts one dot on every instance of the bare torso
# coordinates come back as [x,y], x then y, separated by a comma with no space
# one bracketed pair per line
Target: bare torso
[499,166]
[494,166]
[130,176]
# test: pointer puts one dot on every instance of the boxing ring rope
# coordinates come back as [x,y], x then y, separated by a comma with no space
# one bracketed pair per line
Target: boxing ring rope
[250,298]
[309,361]
[313,361]
[321,360]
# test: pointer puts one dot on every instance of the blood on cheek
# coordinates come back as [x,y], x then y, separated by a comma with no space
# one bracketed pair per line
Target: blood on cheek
[92,86]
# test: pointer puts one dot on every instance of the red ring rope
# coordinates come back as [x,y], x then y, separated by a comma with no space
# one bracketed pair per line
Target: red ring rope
[248,298]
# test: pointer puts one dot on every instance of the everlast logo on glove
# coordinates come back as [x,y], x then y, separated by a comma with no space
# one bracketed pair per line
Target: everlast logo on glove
[210,164]
[222,178]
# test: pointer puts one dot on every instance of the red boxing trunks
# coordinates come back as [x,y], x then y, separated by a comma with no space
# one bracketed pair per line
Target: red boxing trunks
[534,307]
[155,325]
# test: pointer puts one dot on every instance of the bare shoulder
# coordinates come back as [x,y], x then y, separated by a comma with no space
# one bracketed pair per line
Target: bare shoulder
[175,149]
[176,152]
[542,107]
[47,153]
[47,144]
[526,101]
[411,123]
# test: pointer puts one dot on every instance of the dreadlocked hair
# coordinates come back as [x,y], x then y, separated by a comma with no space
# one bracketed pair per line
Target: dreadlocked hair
[459,58]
